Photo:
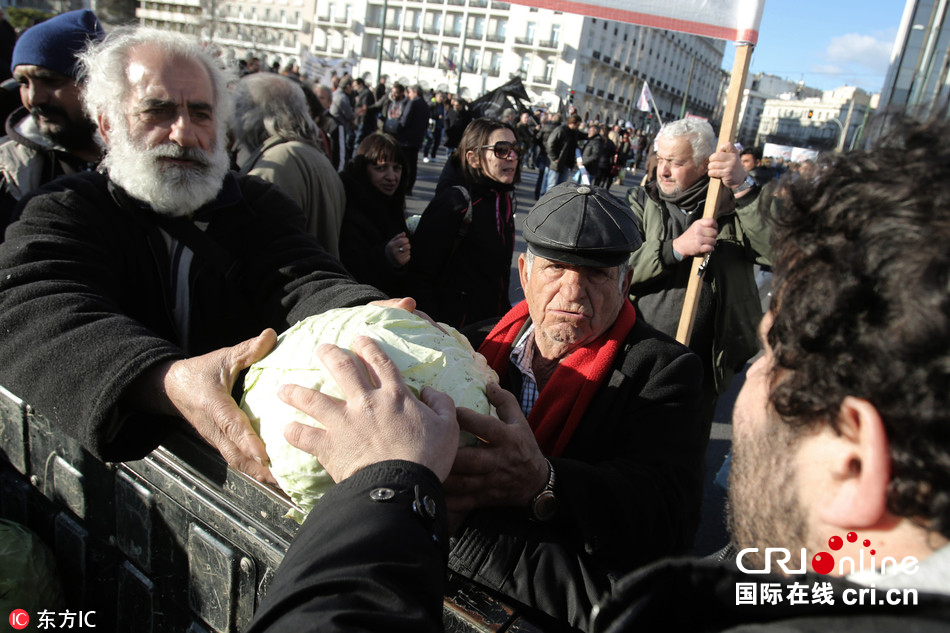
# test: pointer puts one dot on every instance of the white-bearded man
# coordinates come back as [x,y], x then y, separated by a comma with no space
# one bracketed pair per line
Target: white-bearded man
[133,298]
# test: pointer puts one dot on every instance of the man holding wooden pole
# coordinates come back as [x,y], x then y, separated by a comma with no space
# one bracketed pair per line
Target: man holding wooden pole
[675,231]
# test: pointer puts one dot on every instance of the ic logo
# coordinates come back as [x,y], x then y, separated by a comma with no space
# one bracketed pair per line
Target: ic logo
[19,619]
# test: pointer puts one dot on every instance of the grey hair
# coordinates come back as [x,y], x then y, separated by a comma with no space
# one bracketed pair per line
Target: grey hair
[699,133]
[268,105]
[105,68]
[622,270]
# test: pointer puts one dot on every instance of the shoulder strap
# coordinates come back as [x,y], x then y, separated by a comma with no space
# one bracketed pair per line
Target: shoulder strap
[467,218]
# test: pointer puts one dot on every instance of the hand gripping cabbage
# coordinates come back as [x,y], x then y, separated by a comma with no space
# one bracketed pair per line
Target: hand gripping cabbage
[424,355]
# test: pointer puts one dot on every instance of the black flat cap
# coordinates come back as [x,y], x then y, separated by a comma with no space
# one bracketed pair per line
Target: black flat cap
[581,225]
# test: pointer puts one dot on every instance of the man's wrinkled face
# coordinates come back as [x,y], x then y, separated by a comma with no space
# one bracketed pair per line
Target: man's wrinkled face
[166,150]
[53,100]
[764,506]
[675,170]
[570,305]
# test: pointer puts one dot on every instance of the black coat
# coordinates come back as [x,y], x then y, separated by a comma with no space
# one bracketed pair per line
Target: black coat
[414,123]
[364,565]
[462,280]
[629,487]
[370,221]
[86,298]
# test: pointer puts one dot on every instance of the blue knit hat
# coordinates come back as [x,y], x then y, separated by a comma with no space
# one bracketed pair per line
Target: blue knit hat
[54,44]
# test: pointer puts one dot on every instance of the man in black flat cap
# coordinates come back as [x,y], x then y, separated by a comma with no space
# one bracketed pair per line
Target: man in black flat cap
[594,467]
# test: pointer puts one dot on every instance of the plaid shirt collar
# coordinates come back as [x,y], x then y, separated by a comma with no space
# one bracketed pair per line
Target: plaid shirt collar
[522,354]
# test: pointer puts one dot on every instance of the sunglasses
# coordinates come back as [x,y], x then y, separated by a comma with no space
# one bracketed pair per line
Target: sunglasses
[503,148]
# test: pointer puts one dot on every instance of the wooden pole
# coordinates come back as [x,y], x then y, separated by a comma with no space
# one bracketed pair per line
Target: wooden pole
[727,134]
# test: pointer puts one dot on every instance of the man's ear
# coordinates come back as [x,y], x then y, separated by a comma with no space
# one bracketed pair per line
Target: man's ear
[104,128]
[861,470]
[523,271]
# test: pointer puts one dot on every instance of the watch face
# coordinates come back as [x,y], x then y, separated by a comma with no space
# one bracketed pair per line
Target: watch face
[544,506]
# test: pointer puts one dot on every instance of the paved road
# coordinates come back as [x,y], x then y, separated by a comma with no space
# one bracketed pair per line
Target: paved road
[712,534]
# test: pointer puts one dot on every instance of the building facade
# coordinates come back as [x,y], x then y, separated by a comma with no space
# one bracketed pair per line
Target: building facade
[918,80]
[469,47]
[759,88]
[833,121]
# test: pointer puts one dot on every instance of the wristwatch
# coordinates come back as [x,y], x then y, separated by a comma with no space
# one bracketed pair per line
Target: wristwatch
[544,504]
[748,183]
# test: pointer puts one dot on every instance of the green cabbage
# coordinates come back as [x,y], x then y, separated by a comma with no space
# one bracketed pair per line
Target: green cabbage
[424,355]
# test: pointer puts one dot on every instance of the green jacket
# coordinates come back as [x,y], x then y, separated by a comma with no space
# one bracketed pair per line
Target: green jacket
[743,240]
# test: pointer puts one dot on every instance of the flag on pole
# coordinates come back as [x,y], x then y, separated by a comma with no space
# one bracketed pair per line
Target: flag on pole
[646,97]
[735,20]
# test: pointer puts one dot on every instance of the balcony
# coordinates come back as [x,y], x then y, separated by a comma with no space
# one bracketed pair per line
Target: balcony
[600,93]
[595,54]
[589,90]
[543,79]
[524,41]
[431,30]
[498,38]
[474,35]
[373,22]
[548,44]
[493,72]
[453,33]
[480,4]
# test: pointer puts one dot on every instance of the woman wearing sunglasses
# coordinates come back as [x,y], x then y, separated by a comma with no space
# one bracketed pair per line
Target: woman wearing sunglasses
[462,260]
[374,245]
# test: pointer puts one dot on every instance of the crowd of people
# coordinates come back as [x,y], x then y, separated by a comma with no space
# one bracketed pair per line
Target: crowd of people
[166,220]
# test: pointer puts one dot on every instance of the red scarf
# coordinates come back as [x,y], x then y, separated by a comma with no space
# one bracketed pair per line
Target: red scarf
[564,399]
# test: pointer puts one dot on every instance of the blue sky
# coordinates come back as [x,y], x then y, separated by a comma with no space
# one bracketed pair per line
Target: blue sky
[826,43]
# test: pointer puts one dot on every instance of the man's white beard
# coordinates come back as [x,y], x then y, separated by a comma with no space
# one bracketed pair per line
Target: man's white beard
[170,189]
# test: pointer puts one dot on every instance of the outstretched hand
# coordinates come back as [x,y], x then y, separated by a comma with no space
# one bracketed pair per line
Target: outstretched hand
[507,470]
[199,389]
[379,420]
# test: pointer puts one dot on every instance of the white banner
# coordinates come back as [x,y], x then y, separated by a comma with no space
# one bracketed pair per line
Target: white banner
[643,103]
[735,20]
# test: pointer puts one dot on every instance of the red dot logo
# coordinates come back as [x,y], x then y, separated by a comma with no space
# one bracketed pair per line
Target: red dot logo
[823,563]
[19,619]
[852,537]
[835,543]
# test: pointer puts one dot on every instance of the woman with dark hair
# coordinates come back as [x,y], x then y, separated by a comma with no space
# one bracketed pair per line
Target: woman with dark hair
[463,245]
[374,243]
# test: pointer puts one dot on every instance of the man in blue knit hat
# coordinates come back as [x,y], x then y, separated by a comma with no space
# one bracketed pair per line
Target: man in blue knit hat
[50,135]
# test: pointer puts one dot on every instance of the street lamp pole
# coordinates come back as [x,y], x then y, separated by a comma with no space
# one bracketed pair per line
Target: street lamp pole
[382,41]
